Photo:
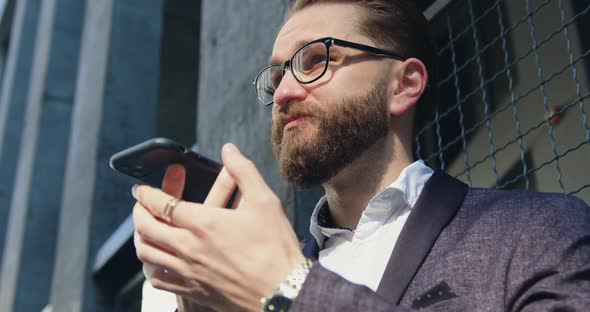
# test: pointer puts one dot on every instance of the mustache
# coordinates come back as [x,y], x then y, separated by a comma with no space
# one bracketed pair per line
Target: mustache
[294,109]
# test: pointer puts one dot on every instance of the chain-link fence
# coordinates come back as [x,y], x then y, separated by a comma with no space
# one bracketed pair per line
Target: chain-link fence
[511,97]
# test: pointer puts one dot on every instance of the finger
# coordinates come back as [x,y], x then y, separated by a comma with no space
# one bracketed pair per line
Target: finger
[148,270]
[221,190]
[159,233]
[170,270]
[185,215]
[170,287]
[237,200]
[166,279]
[173,183]
[243,171]
[155,201]
[151,254]
[196,293]
[191,304]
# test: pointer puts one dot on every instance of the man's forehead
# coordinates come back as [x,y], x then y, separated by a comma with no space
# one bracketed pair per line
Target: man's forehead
[337,20]
[295,45]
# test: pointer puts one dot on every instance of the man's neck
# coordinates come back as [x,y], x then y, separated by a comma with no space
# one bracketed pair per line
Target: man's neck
[349,192]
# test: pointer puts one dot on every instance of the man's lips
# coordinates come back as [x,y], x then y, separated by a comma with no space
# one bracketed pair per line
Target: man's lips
[294,121]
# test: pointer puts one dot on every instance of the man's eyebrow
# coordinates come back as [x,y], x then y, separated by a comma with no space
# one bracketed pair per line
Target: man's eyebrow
[298,45]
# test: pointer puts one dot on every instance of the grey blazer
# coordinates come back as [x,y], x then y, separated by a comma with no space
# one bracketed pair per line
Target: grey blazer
[467,249]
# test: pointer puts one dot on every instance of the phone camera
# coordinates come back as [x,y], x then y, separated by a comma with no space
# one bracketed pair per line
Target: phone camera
[138,171]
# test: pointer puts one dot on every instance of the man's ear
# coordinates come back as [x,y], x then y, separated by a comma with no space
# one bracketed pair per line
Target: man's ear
[411,80]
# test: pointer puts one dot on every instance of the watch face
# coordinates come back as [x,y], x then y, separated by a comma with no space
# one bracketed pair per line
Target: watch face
[278,303]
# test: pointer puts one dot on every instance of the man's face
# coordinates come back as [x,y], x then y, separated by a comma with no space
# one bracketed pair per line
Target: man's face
[320,128]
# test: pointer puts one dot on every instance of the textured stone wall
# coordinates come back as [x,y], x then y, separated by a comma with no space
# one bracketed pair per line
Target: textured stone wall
[236,42]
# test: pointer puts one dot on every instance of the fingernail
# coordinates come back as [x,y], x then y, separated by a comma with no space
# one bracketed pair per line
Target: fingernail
[133,191]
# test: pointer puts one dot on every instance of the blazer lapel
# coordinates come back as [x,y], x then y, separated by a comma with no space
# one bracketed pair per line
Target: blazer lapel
[437,205]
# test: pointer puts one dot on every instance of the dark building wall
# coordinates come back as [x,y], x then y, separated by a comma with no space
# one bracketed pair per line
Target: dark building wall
[236,42]
[38,251]
[16,98]
[128,117]
[179,60]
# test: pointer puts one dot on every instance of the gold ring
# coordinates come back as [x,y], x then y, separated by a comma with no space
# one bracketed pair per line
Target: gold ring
[169,208]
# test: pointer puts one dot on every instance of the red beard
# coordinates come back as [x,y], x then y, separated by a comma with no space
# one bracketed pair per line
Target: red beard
[319,148]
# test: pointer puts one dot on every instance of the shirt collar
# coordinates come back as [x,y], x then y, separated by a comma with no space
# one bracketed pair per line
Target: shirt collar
[402,193]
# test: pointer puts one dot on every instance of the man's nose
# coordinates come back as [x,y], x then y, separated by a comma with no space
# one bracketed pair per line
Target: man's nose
[288,90]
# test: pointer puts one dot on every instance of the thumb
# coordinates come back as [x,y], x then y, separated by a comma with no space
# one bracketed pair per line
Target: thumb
[173,183]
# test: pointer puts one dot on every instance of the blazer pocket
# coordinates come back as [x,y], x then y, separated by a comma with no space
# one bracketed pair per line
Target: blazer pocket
[441,292]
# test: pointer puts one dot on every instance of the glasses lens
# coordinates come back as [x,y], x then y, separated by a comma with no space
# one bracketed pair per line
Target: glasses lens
[267,82]
[310,62]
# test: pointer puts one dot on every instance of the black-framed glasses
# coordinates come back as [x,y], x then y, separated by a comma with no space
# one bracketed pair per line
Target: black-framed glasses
[307,64]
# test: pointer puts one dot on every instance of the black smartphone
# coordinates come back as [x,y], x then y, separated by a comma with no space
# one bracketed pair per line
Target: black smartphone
[148,161]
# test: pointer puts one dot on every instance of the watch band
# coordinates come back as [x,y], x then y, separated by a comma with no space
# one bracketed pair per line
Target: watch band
[287,291]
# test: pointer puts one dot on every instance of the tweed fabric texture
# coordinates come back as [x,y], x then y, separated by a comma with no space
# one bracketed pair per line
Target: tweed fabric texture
[502,251]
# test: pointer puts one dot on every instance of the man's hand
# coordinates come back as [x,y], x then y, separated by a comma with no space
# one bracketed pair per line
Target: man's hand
[223,258]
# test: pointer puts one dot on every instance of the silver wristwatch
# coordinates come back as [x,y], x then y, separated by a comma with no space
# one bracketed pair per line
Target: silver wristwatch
[283,296]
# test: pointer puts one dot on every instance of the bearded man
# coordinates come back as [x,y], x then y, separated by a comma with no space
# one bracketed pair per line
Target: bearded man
[344,81]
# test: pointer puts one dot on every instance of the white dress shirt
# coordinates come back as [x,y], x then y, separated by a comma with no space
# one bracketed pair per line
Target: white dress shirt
[361,256]
[155,300]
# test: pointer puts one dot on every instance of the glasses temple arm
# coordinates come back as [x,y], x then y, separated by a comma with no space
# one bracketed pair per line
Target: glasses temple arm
[366,48]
